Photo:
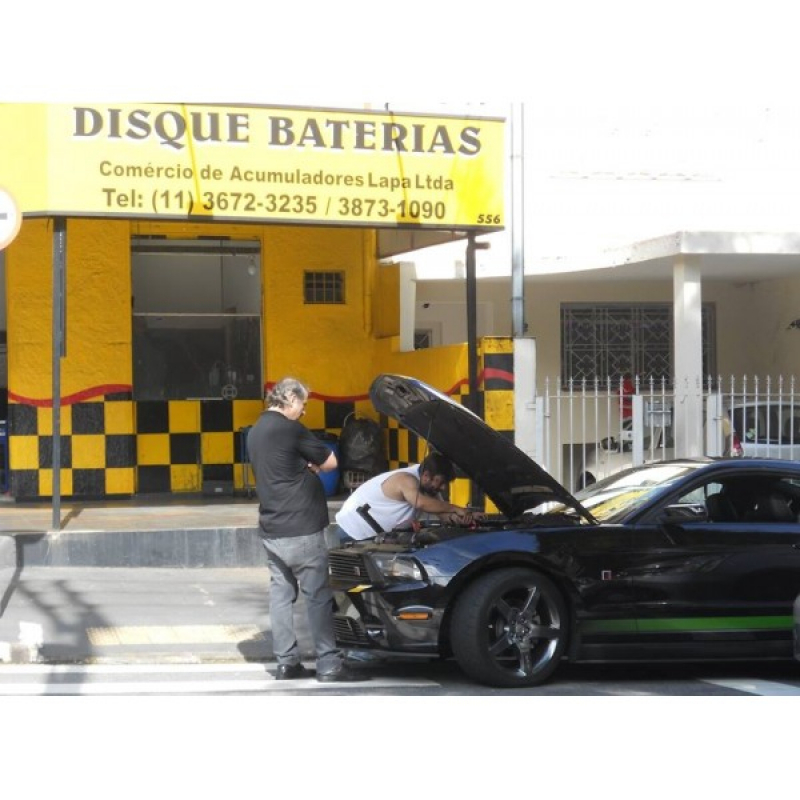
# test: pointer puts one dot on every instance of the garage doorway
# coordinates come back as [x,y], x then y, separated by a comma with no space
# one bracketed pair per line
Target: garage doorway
[197,353]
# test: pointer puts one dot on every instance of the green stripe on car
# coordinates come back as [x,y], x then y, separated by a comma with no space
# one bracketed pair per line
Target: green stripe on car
[681,624]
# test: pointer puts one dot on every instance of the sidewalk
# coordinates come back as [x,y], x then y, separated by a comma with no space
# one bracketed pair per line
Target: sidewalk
[198,592]
[116,615]
[141,532]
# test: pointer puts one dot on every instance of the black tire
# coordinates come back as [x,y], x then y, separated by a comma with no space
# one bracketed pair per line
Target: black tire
[510,628]
[586,479]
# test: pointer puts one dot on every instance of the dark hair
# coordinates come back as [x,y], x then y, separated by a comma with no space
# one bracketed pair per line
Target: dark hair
[437,464]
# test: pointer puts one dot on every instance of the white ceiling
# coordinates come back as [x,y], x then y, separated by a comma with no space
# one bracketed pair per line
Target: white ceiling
[742,256]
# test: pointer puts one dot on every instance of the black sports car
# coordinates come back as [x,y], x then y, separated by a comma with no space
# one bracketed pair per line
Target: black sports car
[686,559]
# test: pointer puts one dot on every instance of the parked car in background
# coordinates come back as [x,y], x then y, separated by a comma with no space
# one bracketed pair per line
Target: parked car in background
[764,429]
[695,559]
[611,455]
[757,429]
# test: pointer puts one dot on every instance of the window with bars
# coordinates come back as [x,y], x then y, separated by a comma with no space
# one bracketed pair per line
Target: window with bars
[323,287]
[423,339]
[609,341]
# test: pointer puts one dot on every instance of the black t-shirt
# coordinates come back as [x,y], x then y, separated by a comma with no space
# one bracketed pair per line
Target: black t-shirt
[291,497]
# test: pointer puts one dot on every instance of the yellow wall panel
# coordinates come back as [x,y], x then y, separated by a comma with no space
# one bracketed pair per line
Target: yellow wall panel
[119,417]
[314,417]
[152,448]
[23,452]
[98,322]
[184,416]
[44,421]
[499,409]
[88,451]
[459,492]
[386,308]
[120,480]
[185,478]
[217,448]
[46,482]
[246,412]
[329,346]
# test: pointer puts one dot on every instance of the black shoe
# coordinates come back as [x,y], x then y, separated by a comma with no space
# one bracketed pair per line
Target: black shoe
[341,675]
[291,672]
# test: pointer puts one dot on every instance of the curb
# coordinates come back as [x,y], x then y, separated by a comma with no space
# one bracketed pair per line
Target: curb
[195,548]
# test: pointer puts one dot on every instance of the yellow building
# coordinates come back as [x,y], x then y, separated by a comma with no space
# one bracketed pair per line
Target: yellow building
[208,252]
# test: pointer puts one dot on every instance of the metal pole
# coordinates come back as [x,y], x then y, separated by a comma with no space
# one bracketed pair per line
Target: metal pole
[518,324]
[472,326]
[59,350]
[475,399]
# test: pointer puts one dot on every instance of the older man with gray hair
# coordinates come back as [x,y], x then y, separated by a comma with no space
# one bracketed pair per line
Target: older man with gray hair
[293,513]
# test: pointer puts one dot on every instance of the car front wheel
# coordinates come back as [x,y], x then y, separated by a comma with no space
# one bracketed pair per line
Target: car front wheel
[510,628]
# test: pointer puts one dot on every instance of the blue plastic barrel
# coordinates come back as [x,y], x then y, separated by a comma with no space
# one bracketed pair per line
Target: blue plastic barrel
[330,480]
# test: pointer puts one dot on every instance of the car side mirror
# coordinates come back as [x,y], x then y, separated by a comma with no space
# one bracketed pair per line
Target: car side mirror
[609,443]
[683,512]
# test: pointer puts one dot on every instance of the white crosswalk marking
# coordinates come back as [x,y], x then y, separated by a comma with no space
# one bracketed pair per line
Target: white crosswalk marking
[172,679]
[751,686]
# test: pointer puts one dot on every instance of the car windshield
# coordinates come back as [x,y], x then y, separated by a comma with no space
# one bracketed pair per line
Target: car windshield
[616,496]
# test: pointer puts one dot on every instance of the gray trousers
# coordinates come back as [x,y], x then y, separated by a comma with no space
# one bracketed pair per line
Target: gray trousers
[300,564]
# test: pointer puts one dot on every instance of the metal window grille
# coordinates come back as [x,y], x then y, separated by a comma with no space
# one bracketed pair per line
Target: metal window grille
[323,287]
[423,339]
[612,340]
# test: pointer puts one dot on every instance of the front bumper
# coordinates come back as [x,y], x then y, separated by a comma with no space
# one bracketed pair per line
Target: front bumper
[375,614]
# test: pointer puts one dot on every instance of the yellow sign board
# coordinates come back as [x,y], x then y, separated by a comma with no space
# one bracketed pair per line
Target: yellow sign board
[255,164]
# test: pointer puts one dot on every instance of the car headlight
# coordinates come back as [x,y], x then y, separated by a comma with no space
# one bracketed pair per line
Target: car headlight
[399,567]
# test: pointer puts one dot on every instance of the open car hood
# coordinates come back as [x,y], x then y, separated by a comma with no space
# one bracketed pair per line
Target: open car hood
[513,481]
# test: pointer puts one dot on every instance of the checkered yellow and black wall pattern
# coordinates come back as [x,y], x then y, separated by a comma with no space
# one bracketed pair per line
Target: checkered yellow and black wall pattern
[97,448]
[114,446]
[189,445]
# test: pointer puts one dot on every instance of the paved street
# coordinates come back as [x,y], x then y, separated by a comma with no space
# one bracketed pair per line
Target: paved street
[94,630]
[395,679]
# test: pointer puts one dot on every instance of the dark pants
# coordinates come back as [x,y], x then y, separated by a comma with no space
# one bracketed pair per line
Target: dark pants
[300,564]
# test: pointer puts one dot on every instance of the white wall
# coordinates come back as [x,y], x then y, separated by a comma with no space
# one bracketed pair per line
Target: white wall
[744,327]
[600,177]
[446,317]
[776,304]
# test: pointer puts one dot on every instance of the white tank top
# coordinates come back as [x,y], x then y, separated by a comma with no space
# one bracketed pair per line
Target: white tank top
[386,512]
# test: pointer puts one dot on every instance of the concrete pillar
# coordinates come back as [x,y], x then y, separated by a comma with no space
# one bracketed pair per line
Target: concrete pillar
[408,305]
[525,396]
[688,302]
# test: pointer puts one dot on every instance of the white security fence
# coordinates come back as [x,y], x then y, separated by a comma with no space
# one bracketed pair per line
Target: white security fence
[588,430]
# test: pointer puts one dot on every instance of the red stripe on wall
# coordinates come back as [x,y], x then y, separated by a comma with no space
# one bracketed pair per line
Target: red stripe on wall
[113,388]
[78,397]
[493,372]
[490,372]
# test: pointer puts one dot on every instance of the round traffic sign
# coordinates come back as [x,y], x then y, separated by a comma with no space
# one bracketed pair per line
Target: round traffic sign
[10,218]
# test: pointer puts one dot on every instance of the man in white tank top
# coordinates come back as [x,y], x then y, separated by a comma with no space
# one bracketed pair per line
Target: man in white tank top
[396,498]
